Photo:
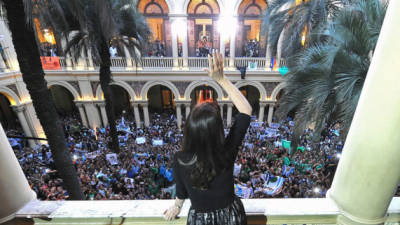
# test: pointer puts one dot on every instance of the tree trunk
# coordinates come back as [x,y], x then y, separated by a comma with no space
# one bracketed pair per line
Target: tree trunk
[105,80]
[28,56]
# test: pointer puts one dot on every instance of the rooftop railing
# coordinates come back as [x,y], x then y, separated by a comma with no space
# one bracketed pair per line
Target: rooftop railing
[258,211]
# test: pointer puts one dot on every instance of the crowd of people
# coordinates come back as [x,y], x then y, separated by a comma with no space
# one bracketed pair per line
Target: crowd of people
[251,48]
[265,167]
[157,49]
[48,49]
[204,47]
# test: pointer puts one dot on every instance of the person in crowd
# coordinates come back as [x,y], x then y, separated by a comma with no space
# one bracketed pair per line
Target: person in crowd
[113,51]
[203,170]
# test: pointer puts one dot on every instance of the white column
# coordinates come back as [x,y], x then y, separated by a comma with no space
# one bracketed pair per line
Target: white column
[221,108]
[280,47]
[69,61]
[222,44]
[81,62]
[232,49]
[185,51]
[128,58]
[15,191]
[30,113]
[187,110]
[3,65]
[103,112]
[94,119]
[24,124]
[137,114]
[369,170]
[146,114]
[268,57]
[179,114]
[82,114]
[33,121]
[229,115]
[175,48]
[270,113]
[261,112]
[90,65]
[8,47]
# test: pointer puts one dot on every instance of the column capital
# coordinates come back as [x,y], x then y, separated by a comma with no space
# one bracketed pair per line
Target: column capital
[144,103]
[101,104]
[18,108]
[79,104]
[263,104]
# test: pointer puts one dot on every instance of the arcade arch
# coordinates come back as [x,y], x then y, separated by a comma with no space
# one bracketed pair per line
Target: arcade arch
[8,119]
[203,93]
[63,100]
[252,95]
[212,84]
[121,102]
[160,99]
[167,84]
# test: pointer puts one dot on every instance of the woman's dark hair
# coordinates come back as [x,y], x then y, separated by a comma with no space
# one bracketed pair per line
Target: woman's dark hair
[204,137]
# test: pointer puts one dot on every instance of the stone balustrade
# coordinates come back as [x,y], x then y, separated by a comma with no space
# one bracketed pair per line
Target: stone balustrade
[259,211]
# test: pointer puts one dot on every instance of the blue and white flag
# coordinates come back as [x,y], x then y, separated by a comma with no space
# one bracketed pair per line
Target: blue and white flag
[256,124]
[273,186]
[157,142]
[13,142]
[140,140]
[287,170]
[271,132]
[274,125]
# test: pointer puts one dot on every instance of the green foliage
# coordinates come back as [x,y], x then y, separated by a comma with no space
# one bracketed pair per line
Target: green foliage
[325,82]
[286,21]
[105,22]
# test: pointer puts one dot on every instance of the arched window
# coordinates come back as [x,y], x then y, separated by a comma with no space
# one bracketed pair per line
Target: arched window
[197,7]
[250,41]
[202,26]
[156,13]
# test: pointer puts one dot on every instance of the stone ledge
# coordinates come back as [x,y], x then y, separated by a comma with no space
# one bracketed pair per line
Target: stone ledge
[276,211]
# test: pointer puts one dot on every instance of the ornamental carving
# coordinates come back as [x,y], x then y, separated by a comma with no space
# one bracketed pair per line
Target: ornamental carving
[137,86]
[13,87]
[95,85]
[181,85]
[269,87]
[75,84]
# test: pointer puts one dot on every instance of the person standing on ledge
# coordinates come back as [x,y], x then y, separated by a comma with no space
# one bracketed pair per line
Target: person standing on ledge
[203,170]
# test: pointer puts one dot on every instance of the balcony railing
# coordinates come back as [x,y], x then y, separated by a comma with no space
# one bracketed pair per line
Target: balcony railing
[167,63]
[156,62]
[258,211]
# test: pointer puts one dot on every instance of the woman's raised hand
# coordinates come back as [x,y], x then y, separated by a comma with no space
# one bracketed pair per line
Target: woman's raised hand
[216,66]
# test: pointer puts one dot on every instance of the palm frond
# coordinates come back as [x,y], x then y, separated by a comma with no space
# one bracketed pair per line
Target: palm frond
[326,80]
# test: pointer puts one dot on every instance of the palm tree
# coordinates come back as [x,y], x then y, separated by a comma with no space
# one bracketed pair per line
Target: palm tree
[290,23]
[103,23]
[24,40]
[325,84]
